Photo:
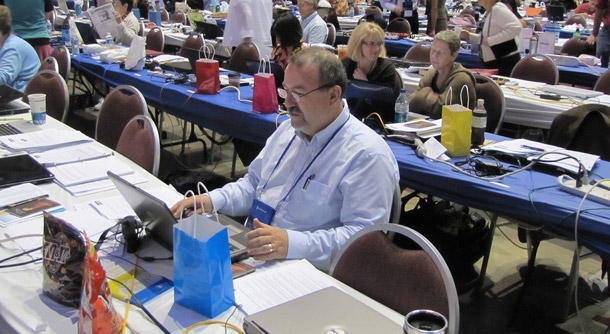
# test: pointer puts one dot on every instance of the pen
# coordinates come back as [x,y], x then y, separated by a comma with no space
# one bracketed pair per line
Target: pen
[308,180]
[537,149]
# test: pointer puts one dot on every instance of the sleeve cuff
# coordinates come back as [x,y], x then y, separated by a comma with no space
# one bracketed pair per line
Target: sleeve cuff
[297,242]
[218,200]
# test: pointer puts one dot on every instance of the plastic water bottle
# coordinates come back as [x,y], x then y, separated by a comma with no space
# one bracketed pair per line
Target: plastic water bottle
[351,11]
[401,108]
[109,41]
[49,28]
[78,7]
[65,31]
[479,123]
[75,46]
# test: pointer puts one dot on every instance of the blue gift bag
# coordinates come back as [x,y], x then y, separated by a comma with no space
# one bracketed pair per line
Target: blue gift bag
[203,280]
[155,17]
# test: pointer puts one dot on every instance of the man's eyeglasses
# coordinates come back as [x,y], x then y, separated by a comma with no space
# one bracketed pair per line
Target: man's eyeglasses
[283,92]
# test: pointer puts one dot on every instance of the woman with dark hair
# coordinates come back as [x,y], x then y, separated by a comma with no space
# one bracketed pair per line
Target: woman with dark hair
[512,5]
[287,38]
[128,23]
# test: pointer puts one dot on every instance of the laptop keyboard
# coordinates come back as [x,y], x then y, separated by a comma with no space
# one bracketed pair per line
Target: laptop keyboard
[7,129]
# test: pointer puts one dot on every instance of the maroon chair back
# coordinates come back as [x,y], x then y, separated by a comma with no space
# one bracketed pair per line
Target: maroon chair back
[244,51]
[155,40]
[178,17]
[49,63]
[404,280]
[575,47]
[603,83]
[536,67]
[399,25]
[53,85]
[577,19]
[194,41]
[419,53]
[62,55]
[139,142]
[119,107]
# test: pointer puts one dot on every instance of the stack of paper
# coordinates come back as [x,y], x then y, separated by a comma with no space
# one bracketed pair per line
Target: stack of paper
[419,127]
[42,140]
[24,201]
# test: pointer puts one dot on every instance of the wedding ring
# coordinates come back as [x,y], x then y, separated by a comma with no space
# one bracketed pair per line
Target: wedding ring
[270,248]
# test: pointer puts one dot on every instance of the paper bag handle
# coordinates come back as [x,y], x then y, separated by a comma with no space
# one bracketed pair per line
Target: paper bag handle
[208,51]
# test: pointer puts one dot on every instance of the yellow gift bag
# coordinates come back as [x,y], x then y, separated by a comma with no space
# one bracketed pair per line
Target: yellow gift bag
[456,130]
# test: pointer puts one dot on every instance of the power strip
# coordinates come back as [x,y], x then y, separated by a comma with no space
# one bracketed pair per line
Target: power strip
[600,194]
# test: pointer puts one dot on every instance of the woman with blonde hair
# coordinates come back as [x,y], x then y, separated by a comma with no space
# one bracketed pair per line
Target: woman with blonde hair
[366,60]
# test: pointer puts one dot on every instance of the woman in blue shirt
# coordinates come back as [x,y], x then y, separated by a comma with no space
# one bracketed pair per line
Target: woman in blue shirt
[18,59]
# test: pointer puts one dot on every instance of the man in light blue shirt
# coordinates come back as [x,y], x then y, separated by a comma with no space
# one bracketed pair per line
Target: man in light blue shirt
[325,174]
[314,27]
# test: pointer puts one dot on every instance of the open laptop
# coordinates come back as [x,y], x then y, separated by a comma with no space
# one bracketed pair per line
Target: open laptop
[10,104]
[159,221]
[86,32]
[321,311]
[22,168]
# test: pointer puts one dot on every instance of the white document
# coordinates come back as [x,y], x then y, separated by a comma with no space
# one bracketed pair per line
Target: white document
[262,290]
[546,43]
[102,185]
[525,38]
[88,171]
[45,139]
[103,19]
[20,194]
[64,155]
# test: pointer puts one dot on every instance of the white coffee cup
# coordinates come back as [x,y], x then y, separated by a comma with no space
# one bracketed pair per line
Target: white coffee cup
[38,105]
[425,322]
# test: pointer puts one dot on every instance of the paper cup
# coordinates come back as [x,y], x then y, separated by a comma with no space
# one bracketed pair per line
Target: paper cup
[38,105]
[341,51]
[234,78]
[425,322]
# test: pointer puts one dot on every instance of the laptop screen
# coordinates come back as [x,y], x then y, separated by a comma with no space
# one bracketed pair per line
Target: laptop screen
[17,169]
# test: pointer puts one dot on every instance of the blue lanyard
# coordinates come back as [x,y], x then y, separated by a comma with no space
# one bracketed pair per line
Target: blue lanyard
[306,168]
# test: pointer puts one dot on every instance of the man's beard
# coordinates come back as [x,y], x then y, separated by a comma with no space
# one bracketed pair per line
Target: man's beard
[297,123]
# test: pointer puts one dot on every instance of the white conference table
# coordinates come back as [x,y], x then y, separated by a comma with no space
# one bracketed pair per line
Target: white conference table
[25,309]
[523,106]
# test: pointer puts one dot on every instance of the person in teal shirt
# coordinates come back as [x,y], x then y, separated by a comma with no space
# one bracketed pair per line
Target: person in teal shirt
[30,23]
[18,59]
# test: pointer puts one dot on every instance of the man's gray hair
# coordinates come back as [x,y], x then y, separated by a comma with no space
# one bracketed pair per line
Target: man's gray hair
[314,3]
[331,70]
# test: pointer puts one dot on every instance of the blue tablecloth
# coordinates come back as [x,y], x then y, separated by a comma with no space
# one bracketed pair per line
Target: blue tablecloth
[221,112]
[531,196]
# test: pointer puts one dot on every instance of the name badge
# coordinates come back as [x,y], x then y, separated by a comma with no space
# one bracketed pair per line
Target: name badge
[262,211]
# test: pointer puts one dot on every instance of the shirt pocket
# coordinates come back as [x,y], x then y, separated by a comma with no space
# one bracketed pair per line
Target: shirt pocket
[308,204]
